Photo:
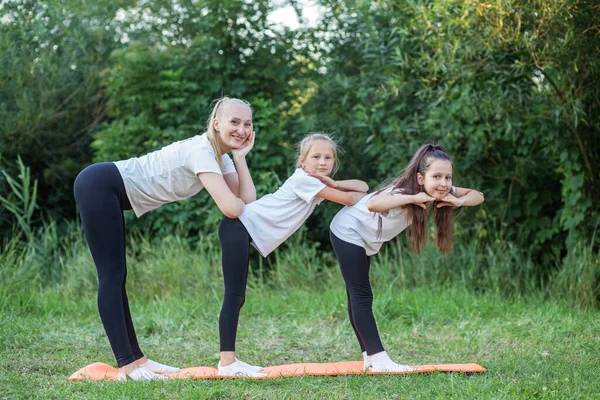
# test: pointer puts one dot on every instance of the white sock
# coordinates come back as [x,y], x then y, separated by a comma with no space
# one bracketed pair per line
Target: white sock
[237,369]
[141,374]
[254,368]
[383,363]
[367,361]
[158,368]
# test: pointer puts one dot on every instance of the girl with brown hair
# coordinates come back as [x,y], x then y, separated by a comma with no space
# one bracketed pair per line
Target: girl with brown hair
[357,232]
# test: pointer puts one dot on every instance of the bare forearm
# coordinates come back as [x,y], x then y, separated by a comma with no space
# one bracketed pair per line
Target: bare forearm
[385,202]
[355,185]
[347,198]
[246,189]
[471,197]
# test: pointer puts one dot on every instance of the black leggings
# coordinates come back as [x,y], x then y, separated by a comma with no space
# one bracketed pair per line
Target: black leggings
[355,265]
[101,198]
[235,256]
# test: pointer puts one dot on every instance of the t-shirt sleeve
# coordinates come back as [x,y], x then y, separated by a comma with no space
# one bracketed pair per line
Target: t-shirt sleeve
[228,166]
[306,187]
[201,159]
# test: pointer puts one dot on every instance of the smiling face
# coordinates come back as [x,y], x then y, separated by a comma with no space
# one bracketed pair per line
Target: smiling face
[319,159]
[233,126]
[437,181]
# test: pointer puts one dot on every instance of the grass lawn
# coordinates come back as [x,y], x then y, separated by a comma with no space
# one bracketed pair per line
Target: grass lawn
[532,349]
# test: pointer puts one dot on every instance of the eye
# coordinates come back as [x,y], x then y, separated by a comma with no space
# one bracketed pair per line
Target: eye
[248,124]
[234,122]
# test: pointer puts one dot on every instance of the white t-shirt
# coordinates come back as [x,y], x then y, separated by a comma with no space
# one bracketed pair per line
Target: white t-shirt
[273,218]
[357,225]
[169,174]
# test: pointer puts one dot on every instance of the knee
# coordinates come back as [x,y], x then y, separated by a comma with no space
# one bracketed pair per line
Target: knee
[235,300]
[111,281]
[361,299]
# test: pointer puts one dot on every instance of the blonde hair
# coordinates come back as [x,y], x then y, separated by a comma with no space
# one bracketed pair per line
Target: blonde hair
[218,107]
[306,144]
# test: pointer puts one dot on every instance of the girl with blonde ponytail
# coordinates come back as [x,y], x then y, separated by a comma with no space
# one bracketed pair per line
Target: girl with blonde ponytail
[357,232]
[268,222]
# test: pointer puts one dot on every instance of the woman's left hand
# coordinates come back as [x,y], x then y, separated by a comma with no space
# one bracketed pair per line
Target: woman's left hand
[246,147]
[325,179]
[450,201]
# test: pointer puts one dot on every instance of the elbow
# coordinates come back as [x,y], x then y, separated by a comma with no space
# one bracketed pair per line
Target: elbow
[480,199]
[235,210]
[349,202]
[371,206]
[354,198]
[232,215]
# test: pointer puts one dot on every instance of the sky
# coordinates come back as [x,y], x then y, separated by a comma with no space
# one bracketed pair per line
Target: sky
[286,16]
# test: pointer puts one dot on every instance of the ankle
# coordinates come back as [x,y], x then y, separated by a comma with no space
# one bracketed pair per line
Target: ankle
[227,358]
[129,368]
[141,361]
[382,356]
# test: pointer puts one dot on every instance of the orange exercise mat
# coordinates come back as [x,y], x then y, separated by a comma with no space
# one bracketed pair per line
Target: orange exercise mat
[101,371]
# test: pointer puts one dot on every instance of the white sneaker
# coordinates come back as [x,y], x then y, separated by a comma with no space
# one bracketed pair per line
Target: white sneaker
[141,374]
[393,368]
[158,368]
[237,369]
[367,363]
[383,363]
[254,368]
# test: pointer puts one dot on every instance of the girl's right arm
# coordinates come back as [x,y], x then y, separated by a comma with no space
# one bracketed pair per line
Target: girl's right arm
[347,198]
[349,185]
[385,202]
[462,197]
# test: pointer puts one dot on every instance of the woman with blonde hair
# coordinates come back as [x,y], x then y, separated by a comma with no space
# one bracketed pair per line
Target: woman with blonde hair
[176,172]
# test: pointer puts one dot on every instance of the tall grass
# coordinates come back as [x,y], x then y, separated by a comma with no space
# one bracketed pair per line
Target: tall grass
[58,260]
[501,269]
[578,279]
[48,257]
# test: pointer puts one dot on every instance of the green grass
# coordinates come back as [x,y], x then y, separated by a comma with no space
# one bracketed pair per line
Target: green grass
[480,304]
[532,349]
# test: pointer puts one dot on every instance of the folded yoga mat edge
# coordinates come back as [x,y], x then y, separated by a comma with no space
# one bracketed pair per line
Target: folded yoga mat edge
[101,371]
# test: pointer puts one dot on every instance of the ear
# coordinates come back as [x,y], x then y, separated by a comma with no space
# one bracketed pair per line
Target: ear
[216,124]
[420,179]
[301,161]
